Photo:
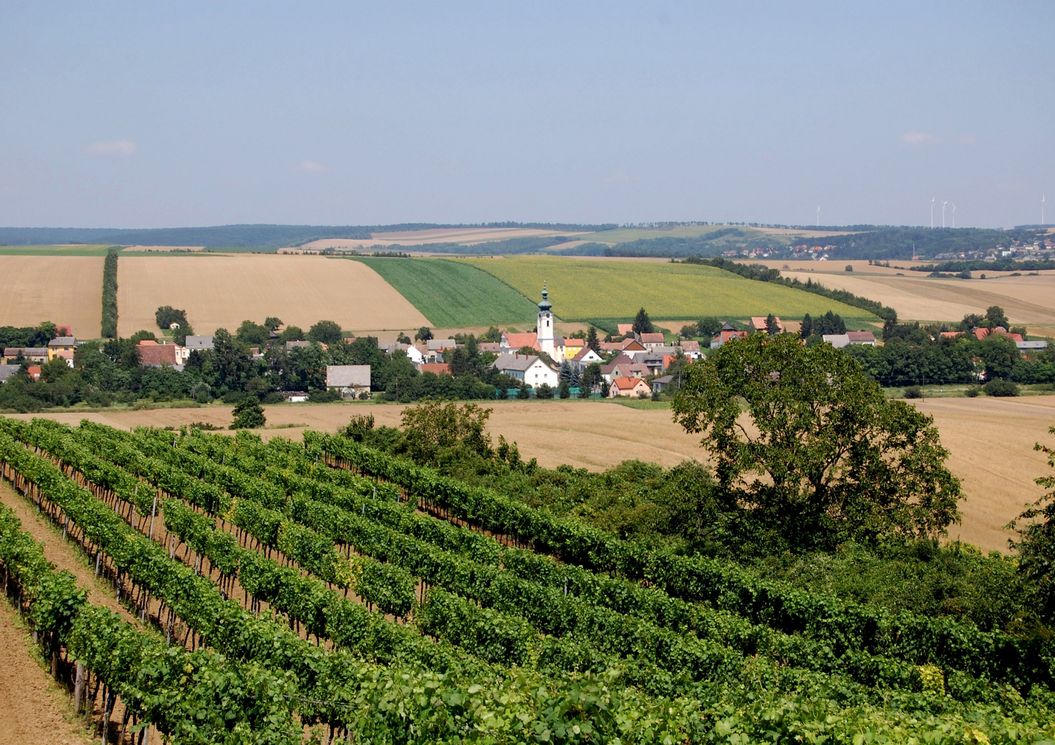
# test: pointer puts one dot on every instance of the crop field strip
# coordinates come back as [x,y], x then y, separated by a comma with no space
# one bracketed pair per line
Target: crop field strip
[329,499]
[453,294]
[65,290]
[610,289]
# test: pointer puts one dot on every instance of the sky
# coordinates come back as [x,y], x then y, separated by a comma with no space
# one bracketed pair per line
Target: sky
[165,114]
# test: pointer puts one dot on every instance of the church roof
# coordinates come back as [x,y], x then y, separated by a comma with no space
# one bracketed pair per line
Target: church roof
[521,340]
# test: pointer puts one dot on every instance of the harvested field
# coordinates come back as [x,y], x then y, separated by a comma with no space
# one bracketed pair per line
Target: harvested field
[604,289]
[1026,299]
[62,289]
[222,291]
[465,236]
[60,249]
[990,441]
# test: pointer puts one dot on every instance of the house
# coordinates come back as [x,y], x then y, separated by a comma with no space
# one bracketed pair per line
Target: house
[691,349]
[758,323]
[34,371]
[153,354]
[349,380]
[572,347]
[13,355]
[513,342]
[1031,346]
[439,346]
[527,368]
[662,383]
[413,353]
[651,340]
[861,338]
[62,347]
[436,368]
[6,371]
[629,387]
[491,347]
[726,334]
[624,366]
[202,343]
[586,357]
[633,348]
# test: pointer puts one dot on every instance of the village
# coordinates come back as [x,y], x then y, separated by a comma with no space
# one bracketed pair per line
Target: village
[632,363]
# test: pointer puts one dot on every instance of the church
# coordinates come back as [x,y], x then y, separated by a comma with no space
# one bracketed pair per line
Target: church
[544,338]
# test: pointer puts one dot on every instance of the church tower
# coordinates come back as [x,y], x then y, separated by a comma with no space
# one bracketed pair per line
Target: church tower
[544,327]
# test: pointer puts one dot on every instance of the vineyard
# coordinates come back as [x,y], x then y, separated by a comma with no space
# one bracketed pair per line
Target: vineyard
[328,592]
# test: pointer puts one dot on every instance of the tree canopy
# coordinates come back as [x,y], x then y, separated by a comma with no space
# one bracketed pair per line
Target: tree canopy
[805,438]
[1036,545]
[642,323]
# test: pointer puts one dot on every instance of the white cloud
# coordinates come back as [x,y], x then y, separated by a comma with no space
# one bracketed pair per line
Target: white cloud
[118,148]
[918,138]
[311,166]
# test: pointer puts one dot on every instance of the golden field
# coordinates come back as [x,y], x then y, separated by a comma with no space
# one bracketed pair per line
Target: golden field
[64,289]
[1026,299]
[222,291]
[990,441]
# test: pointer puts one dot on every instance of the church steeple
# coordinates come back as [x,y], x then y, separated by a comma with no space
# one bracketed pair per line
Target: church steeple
[544,327]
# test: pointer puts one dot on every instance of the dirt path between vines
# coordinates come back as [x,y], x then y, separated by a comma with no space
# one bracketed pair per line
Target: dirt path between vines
[63,554]
[34,710]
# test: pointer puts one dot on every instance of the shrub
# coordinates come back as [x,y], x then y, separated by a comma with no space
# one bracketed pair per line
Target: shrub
[972,391]
[1000,387]
[913,391]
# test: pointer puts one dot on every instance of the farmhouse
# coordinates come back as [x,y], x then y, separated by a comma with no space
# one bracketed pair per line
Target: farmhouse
[32,354]
[153,354]
[349,380]
[858,338]
[586,357]
[758,323]
[726,334]
[6,371]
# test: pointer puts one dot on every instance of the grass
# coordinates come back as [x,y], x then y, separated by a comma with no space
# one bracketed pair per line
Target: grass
[453,294]
[607,290]
[72,249]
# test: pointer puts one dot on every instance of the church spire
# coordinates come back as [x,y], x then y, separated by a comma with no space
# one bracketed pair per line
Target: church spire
[545,305]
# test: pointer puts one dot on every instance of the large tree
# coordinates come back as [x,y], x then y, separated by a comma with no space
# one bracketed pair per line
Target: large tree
[801,435]
[1036,545]
[642,323]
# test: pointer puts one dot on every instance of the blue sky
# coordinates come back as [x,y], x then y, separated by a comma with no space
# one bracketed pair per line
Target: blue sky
[150,114]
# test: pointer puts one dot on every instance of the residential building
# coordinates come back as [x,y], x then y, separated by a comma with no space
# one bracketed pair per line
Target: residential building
[6,371]
[527,368]
[629,387]
[200,343]
[154,354]
[349,380]
[62,347]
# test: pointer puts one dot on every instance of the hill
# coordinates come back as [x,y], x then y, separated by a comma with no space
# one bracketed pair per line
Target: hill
[600,290]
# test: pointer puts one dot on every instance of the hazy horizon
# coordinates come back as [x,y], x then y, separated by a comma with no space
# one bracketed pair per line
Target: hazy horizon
[128,115]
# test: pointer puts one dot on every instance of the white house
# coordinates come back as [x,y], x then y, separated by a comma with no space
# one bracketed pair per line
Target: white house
[527,368]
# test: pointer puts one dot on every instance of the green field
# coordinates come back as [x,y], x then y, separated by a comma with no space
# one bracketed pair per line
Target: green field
[71,249]
[607,289]
[625,235]
[453,294]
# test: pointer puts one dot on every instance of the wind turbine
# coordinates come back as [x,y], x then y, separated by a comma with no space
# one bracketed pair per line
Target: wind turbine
[818,215]
[1043,201]
[932,213]
[953,213]
[944,204]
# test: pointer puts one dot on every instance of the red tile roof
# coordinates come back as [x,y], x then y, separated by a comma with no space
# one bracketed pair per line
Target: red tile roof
[436,368]
[521,340]
[152,354]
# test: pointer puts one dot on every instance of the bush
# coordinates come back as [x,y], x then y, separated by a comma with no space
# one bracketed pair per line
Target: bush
[913,391]
[972,391]
[1000,387]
